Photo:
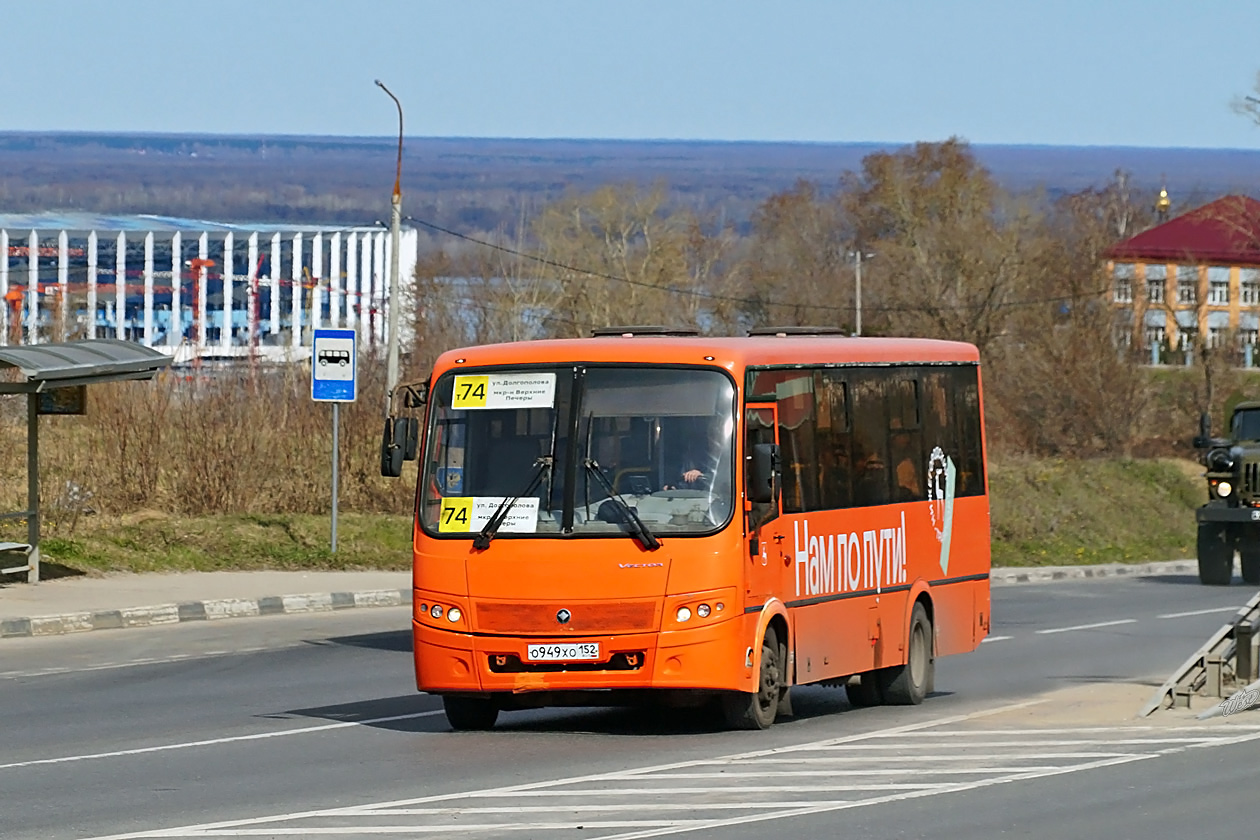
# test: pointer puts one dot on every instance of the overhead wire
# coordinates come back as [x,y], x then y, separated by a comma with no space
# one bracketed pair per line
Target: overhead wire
[701,293]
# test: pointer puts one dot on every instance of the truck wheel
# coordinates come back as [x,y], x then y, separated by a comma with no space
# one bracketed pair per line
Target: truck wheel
[1250,564]
[470,714]
[1216,554]
[907,685]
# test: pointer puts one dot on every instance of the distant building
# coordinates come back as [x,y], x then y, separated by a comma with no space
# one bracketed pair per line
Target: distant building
[197,289]
[1195,275]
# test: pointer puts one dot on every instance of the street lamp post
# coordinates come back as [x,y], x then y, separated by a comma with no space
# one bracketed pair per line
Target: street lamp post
[395,221]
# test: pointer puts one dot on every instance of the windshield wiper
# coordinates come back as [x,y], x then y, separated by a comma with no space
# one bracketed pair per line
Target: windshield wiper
[481,542]
[637,529]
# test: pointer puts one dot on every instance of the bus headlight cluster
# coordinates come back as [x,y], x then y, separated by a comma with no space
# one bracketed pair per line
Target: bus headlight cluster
[437,611]
[703,610]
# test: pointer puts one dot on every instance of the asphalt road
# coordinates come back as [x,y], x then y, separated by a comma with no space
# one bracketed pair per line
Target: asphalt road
[310,726]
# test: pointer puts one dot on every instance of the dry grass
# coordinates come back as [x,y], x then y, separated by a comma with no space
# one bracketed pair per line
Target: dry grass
[236,443]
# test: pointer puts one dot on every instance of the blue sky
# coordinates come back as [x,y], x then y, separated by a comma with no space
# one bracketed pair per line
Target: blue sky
[1060,72]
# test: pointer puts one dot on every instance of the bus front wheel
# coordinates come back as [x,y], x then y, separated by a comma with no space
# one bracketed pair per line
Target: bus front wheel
[907,685]
[470,714]
[758,709]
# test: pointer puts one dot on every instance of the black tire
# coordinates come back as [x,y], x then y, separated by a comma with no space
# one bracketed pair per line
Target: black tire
[1250,557]
[470,714]
[757,710]
[1216,554]
[863,690]
[907,685]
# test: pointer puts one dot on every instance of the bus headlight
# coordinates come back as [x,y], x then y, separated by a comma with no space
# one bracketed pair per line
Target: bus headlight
[683,614]
[453,614]
[1224,488]
[703,610]
[436,611]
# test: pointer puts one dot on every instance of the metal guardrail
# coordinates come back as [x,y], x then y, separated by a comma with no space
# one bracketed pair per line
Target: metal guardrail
[1226,663]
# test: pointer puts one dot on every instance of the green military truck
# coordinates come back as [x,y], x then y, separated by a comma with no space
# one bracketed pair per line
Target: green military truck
[1230,521]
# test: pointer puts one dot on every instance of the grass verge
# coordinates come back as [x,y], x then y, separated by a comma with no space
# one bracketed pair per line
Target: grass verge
[1044,513]
[1059,512]
[153,542]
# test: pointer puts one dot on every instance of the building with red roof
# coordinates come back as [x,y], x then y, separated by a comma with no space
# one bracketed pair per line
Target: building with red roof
[1195,275]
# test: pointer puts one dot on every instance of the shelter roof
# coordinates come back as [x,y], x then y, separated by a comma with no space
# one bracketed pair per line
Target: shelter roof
[40,367]
[1226,231]
[82,222]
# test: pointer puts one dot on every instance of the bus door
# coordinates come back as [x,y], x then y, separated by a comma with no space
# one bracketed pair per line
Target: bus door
[767,542]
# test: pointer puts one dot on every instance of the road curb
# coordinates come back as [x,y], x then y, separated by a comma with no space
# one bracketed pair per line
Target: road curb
[209,610]
[1046,574]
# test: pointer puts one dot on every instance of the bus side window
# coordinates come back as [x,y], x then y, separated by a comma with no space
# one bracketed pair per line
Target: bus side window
[798,432]
[835,462]
[871,484]
[966,388]
[905,441]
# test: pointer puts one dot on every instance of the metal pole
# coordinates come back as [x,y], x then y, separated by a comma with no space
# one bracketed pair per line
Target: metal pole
[395,221]
[336,418]
[32,485]
[857,281]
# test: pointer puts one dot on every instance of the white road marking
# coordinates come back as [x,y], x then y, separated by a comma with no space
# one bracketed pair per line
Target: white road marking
[1088,626]
[210,742]
[638,802]
[995,639]
[1199,612]
[133,663]
[206,829]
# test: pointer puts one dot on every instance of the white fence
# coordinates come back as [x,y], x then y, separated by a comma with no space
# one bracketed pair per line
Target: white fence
[219,292]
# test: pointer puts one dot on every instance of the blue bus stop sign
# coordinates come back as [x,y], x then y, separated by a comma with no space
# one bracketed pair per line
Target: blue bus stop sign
[333,372]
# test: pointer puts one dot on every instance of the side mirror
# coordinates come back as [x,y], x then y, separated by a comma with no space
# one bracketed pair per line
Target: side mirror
[763,473]
[393,447]
[411,437]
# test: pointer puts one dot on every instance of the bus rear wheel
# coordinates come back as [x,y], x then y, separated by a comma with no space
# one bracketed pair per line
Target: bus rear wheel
[863,690]
[907,685]
[470,714]
[758,709]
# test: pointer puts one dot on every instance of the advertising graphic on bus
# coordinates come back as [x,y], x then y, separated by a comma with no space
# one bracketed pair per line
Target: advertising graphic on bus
[697,521]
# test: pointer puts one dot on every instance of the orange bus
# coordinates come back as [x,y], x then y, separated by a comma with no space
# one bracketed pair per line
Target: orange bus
[648,515]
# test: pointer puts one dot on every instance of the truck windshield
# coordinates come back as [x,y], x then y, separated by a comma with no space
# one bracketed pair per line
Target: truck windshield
[661,439]
[1246,424]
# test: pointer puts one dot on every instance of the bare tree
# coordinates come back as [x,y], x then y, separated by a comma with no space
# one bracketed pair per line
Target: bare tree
[952,250]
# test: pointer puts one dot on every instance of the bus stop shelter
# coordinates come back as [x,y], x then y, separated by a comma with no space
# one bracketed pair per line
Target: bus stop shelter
[54,378]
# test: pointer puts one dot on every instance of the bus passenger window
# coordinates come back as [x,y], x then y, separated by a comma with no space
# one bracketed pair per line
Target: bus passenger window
[905,441]
[870,440]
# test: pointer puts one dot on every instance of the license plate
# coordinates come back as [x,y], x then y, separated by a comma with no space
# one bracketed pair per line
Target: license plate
[577,652]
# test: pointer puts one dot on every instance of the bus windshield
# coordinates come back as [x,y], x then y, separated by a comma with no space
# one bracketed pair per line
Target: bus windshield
[566,450]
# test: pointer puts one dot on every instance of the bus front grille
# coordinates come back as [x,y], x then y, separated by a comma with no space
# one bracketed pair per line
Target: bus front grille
[511,664]
[621,617]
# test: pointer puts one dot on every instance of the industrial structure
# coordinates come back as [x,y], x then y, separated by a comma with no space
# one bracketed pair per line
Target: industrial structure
[199,290]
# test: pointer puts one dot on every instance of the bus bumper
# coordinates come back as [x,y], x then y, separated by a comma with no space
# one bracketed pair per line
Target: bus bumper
[707,658]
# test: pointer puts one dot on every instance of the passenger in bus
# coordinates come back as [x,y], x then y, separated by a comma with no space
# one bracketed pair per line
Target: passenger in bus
[906,474]
[870,486]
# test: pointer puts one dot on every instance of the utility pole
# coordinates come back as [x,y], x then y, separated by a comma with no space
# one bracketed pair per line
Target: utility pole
[858,256]
[395,222]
